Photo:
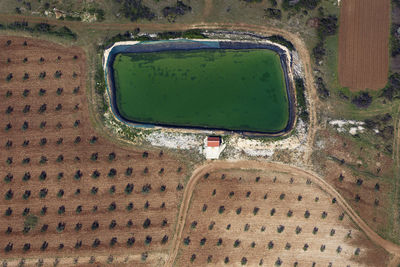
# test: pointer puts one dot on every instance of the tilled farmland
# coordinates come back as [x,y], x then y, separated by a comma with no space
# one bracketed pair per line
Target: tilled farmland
[363,44]
[270,218]
[68,195]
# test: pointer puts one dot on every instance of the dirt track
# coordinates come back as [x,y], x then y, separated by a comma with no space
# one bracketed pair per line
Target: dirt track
[199,173]
[363,44]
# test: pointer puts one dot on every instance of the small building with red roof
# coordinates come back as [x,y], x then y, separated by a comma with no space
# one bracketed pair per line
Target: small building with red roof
[213,147]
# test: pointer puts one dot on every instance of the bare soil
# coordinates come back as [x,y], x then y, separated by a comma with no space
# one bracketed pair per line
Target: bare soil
[363,44]
[154,168]
[275,193]
[362,175]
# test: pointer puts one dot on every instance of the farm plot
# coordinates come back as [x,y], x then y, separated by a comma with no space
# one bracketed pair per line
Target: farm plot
[362,175]
[66,192]
[249,217]
[364,44]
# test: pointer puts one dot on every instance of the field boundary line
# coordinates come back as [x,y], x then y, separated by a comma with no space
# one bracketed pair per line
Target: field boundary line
[315,178]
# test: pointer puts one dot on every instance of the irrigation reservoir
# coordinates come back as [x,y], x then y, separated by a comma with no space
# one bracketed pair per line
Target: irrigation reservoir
[235,89]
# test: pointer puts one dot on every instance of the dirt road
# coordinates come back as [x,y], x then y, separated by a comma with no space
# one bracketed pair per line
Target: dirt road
[208,168]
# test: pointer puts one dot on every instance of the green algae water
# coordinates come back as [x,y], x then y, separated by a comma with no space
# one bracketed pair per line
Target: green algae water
[228,89]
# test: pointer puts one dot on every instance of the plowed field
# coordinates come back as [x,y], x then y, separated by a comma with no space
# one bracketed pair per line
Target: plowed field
[364,44]
[65,191]
[270,218]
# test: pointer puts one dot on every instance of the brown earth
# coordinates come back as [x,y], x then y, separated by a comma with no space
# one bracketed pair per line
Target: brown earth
[224,184]
[364,44]
[373,171]
[157,169]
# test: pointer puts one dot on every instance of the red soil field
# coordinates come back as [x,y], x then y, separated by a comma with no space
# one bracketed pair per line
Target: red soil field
[364,44]
[71,186]
[270,218]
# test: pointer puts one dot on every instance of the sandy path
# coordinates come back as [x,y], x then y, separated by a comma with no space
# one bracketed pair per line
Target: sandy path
[208,168]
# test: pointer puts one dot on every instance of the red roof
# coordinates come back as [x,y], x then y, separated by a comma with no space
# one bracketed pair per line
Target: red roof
[213,141]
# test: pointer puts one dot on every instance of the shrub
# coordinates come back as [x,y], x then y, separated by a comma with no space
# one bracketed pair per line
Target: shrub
[135,10]
[307,214]
[211,226]
[186,241]
[95,225]
[146,223]
[146,188]
[26,194]
[112,225]
[112,173]
[43,192]
[221,209]
[128,171]
[8,178]
[270,245]
[255,210]
[238,210]
[209,258]
[204,207]
[112,206]
[273,13]
[272,211]
[78,175]
[58,74]
[111,156]
[129,188]
[324,215]
[129,207]
[298,230]
[363,100]
[60,193]
[8,211]
[130,241]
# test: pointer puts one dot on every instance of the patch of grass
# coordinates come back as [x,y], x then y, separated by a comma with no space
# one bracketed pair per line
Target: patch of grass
[31,221]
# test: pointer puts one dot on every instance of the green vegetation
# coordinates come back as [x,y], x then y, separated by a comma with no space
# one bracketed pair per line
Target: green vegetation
[306,4]
[42,28]
[172,12]
[301,100]
[189,92]
[280,40]
[31,221]
[134,10]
